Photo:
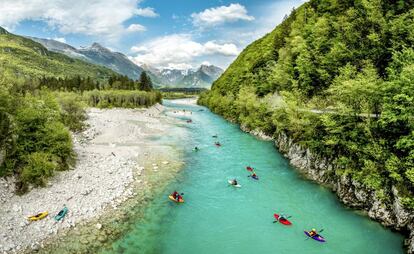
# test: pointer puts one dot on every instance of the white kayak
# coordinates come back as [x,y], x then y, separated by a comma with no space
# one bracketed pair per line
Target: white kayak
[231,183]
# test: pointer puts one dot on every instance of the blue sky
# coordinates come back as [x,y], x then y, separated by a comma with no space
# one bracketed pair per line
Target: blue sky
[160,33]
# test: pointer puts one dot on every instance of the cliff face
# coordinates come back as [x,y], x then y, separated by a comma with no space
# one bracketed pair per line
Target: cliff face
[390,213]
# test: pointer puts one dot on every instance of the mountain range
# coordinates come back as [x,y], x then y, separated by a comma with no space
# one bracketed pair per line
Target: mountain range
[201,77]
[96,54]
[23,57]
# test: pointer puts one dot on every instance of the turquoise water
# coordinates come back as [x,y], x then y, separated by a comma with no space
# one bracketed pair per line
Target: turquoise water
[218,218]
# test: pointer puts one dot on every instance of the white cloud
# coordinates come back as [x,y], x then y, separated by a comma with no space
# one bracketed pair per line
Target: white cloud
[146,12]
[136,28]
[227,49]
[179,50]
[141,49]
[220,15]
[60,39]
[93,17]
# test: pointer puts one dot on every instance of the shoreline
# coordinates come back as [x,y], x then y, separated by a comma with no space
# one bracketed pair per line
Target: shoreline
[114,155]
[349,192]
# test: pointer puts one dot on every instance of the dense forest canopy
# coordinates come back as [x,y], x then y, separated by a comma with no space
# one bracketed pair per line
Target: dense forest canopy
[337,77]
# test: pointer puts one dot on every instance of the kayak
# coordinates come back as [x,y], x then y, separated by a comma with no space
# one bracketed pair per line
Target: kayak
[217,144]
[317,237]
[38,216]
[283,221]
[249,168]
[255,177]
[173,199]
[61,214]
[231,183]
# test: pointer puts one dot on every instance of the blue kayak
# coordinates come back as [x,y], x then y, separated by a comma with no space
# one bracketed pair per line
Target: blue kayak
[61,214]
[316,237]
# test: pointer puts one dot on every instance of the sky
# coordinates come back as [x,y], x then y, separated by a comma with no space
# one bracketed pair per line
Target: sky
[161,33]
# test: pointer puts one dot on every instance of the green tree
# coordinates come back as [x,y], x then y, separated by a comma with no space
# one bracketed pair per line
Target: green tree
[145,82]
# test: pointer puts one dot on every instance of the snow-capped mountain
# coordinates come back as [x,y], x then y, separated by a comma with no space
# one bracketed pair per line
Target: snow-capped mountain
[201,77]
[96,54]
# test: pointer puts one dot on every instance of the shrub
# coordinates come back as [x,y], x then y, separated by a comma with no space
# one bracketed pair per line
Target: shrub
[39,167]
[72,110]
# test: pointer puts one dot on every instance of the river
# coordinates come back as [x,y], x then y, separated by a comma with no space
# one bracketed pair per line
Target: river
[218,218]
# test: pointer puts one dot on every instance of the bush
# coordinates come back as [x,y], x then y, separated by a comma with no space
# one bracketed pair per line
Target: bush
[39,167]
[72,110]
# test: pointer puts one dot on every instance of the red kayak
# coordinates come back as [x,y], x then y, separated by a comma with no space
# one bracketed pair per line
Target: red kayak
[283,221]
[249,168]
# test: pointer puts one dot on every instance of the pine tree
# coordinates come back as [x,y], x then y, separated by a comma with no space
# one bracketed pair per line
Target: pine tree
[145,80]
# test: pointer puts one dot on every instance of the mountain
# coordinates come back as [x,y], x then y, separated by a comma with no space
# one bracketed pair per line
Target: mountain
[20,56]
[201,77]
[333,84]
[113,60]
[60,47]
[96,54]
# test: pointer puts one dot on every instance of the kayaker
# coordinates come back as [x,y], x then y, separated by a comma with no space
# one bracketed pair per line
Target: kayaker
[234,182]
[254,175]
[282,217]
[175,194]
[196,148]
[313,232]
[179,197]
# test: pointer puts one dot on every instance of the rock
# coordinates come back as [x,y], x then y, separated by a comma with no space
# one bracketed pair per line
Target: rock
[102,239]
[87,191]
[17,208]
[98,226]
[84,241]
[76,176]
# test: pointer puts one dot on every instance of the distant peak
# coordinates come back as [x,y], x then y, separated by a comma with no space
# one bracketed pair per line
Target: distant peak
[96,45]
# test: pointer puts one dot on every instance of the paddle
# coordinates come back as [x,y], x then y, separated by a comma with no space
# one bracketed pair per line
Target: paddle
[315,235]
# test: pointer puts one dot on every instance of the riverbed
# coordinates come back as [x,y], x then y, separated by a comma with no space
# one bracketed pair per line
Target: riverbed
[218,218]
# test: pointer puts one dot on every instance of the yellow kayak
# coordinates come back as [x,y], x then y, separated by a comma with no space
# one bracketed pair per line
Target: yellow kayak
[37,217]
[173,199]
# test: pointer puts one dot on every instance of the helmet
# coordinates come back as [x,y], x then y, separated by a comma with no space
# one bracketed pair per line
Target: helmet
[313,229]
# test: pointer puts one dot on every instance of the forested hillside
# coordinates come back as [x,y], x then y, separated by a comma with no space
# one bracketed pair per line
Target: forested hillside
[338,78]
[22,57]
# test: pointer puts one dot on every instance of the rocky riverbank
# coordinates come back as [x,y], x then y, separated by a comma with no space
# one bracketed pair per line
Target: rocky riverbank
[350,192]
[113,154]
